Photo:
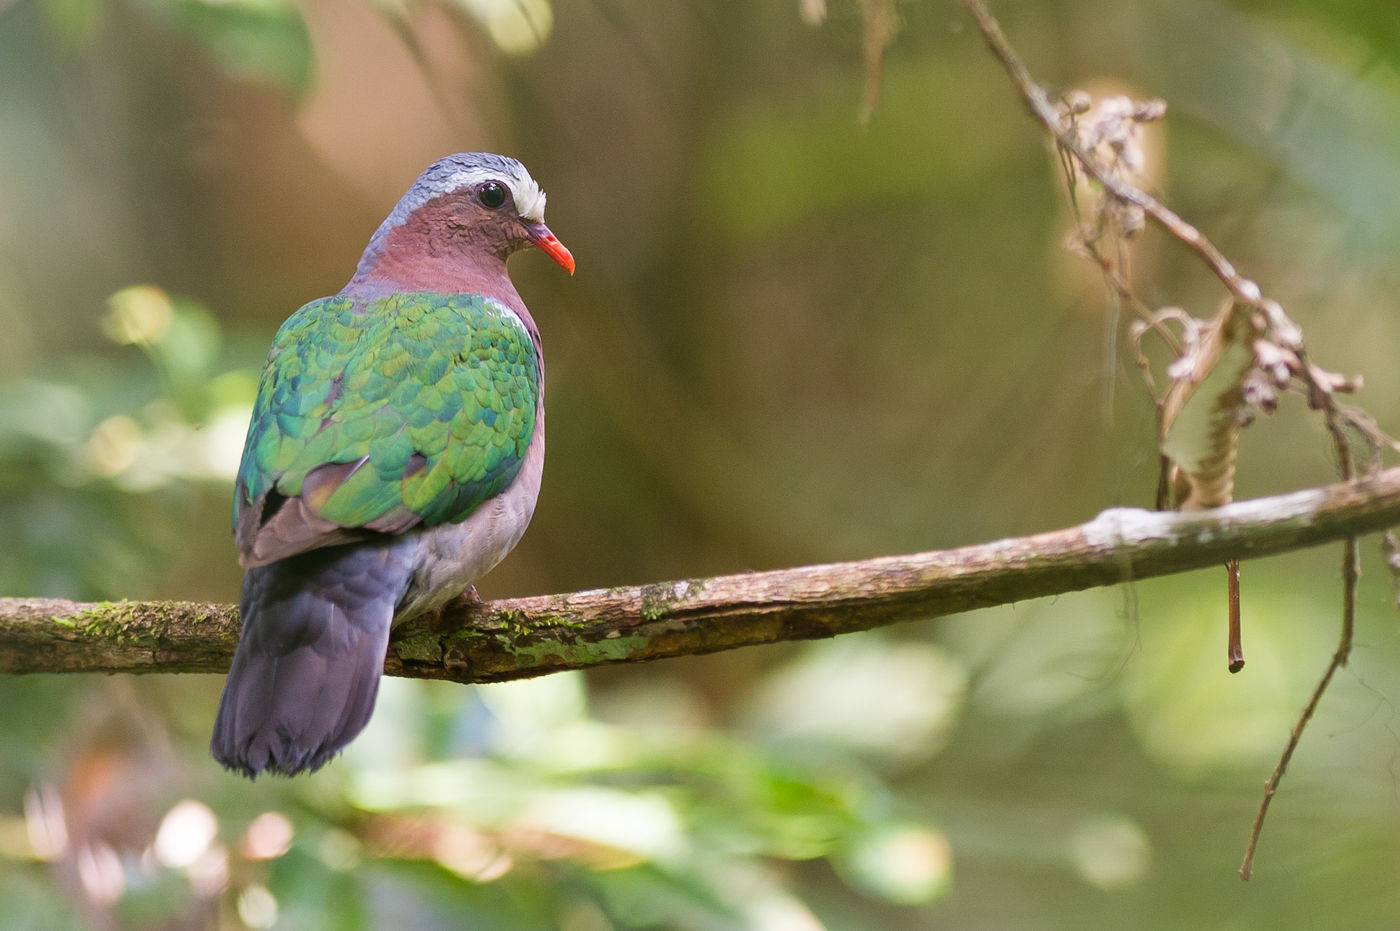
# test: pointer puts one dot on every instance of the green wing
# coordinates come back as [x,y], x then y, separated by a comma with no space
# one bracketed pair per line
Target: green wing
[381,415]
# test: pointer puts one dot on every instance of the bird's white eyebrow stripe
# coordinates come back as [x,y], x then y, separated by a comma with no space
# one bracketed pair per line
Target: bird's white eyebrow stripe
[529,200]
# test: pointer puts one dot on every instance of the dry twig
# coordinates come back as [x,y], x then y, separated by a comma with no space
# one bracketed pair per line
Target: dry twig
[1264,348]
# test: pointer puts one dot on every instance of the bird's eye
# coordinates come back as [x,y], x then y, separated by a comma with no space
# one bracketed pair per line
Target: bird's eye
[492,194]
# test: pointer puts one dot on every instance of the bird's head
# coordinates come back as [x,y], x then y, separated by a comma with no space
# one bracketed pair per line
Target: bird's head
[471,210]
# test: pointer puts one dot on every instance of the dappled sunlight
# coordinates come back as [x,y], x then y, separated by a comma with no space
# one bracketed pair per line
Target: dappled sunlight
[268,836]
[185,834]
[1111,852]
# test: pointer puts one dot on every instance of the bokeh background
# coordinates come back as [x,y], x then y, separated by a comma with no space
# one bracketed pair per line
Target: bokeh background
[803,329]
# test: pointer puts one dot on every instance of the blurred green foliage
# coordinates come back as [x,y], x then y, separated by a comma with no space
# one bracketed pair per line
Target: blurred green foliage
[791,339]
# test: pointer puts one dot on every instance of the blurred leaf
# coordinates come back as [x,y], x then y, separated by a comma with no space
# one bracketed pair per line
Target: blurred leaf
[905,863]
[440,899]
[181,337]
[311,894]
[1369,21]
[75,21]
[841,169]
[42,427]
[644,896]
[868,694]
[137,315]
[641,826]
[28,902]
[252,40]
[1111,852]
[517,27]
[1332,125]
[1046,654]
[1190,713]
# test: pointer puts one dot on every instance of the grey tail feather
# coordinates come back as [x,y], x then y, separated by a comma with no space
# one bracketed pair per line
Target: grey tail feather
[306,672]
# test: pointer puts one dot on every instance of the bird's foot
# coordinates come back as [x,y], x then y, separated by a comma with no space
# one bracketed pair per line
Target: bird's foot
[462,601]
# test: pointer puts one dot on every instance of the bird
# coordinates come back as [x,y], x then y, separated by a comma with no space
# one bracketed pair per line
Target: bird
[394,456]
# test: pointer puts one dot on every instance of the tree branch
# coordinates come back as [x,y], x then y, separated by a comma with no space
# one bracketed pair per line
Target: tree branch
[522,637]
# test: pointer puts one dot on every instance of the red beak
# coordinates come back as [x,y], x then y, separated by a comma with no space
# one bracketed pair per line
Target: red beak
[542,237]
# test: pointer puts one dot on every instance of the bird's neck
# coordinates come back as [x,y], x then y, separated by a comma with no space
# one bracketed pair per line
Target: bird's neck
[426,252]
[429,251]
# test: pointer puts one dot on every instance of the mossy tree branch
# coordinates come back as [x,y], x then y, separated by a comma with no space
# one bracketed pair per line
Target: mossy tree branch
[522,637]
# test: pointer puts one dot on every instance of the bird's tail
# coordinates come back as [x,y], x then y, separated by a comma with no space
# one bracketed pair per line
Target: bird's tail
[307,668]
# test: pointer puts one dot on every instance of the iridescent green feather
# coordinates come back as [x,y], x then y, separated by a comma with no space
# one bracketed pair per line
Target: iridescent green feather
[437,390]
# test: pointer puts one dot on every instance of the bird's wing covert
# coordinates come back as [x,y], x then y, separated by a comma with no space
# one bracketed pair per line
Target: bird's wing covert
[380,415]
